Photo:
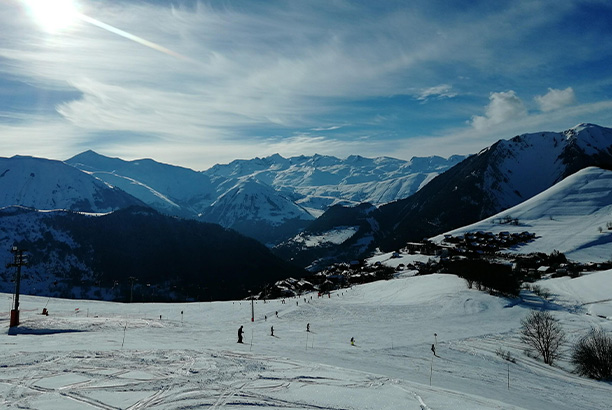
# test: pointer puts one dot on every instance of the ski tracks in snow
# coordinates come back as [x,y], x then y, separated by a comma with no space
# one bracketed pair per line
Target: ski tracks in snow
[170,379]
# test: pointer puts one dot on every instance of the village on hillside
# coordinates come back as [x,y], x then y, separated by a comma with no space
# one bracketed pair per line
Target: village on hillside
[481,258]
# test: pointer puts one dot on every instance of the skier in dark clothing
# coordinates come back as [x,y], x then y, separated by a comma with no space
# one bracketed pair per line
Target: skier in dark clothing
[271,330]
[433,349]
[308,327]
[240,332]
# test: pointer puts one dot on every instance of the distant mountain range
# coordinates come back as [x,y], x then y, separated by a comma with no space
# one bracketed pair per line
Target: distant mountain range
[270,199]
[45,184]
[500,176]
[94,221]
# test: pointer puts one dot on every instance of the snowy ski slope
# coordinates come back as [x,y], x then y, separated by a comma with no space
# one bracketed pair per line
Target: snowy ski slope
[101,355]
[572,217]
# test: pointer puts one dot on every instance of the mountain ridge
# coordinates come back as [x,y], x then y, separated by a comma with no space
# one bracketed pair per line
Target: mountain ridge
[580,203]
[49,184]
[294,190]
[508,173]
[500,176]
[164,258]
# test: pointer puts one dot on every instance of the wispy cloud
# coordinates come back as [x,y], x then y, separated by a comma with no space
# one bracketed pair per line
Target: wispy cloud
[439,91]
[331,128]
[256,74]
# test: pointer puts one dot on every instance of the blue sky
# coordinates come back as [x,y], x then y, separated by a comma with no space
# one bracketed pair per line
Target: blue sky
[198,83]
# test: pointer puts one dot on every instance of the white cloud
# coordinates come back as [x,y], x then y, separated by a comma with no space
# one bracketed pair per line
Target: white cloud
[471,140]
[331,128]
[555,99]
[439,91]
[503,106]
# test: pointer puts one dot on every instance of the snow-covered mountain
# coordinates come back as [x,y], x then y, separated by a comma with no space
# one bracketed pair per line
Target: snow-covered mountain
[268,198]
[528,164]
[249,199]
[500,176]
[46,184]
[257,210]
[503,175]
[274,197]
[573,216]
[319,182]
[170,189]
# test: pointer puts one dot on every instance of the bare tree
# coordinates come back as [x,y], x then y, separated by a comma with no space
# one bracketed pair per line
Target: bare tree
[541,331]
[592,355]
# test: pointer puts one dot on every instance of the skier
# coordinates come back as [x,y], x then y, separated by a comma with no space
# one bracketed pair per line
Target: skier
[308,327]
[352,341]
[433,349]
[271,330]
[240,332]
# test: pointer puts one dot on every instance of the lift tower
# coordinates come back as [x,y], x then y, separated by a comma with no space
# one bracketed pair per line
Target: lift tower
[19,260]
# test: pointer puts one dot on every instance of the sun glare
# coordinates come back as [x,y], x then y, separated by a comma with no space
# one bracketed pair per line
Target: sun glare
[53,15]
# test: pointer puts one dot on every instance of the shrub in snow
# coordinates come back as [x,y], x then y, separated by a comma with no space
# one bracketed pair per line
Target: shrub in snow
[592,355]
[540,291]
[505,354]
[485,275]
[542,332]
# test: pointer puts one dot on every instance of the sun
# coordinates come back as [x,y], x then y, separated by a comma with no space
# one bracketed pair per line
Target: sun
[53,15]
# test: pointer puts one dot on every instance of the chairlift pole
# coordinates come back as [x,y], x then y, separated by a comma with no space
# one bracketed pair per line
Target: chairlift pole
[252,307]
[132,279]
[19,260]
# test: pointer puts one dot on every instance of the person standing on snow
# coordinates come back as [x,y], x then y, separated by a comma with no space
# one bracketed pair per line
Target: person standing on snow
[240,332]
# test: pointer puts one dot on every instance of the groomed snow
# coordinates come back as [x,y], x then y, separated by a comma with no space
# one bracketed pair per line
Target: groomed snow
[101,355]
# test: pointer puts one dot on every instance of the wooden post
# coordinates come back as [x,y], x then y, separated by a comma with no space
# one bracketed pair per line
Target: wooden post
[431,370]
[508,376]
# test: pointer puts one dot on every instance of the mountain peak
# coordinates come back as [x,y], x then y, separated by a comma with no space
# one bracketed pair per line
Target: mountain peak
[583,125]
[89,155]
[49,184]
[275,157]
